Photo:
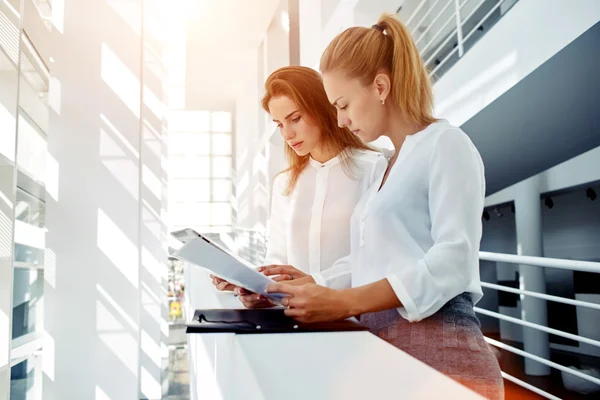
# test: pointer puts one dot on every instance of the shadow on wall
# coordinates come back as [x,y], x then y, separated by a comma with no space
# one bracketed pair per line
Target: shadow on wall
[93,312]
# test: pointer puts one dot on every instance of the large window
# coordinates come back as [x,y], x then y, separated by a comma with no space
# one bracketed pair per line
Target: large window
[24,117]
[201,170]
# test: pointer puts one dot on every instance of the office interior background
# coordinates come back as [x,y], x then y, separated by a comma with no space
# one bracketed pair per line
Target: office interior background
[123,120]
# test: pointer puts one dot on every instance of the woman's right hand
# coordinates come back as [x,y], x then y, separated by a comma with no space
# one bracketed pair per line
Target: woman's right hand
[222,284]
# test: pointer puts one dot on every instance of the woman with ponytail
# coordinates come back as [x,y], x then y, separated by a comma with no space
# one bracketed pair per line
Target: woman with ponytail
[415,234]
[329,169]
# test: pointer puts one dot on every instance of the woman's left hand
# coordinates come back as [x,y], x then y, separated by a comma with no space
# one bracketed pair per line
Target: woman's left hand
[282,272]
[313,303]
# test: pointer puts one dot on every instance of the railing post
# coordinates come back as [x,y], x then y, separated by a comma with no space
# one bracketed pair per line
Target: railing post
[528,218]
[459,32]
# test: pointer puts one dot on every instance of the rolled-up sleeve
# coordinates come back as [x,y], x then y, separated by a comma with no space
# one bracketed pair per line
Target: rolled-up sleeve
[456,191]
[339,276]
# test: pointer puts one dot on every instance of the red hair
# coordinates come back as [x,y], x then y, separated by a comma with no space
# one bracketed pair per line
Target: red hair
[305,87]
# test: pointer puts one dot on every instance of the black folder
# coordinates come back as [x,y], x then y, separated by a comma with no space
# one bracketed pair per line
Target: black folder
[253,321]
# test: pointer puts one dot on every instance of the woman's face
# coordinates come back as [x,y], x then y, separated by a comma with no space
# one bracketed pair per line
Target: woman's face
[358,106]
[302,136]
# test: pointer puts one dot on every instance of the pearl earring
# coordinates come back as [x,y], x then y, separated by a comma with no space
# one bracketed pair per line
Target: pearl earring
[382,101]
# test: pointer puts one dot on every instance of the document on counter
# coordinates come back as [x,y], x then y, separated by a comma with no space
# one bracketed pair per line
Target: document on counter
[202,252]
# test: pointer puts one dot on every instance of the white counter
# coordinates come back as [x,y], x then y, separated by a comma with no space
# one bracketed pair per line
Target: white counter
[328,366]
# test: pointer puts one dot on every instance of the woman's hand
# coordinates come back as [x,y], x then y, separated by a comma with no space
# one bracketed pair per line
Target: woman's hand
[252,300]
[314,303]
[222,284]
[282,272]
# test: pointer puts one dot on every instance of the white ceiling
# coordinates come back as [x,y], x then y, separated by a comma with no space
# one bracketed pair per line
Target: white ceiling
[222,41]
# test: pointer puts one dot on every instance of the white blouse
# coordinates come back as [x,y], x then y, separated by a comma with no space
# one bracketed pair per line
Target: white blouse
[310,228]
[421,232]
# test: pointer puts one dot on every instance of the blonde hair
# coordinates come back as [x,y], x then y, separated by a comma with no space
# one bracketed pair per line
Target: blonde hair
[386,47]
[305,87]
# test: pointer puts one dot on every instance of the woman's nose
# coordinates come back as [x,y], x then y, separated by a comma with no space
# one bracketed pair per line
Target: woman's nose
[342,121]
[287,133]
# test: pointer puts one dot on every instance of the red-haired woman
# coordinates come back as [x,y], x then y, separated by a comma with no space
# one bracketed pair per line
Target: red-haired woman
[329,169]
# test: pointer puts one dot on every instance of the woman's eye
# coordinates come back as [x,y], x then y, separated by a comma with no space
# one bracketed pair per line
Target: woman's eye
[296,119]
[279,126]
[343,108]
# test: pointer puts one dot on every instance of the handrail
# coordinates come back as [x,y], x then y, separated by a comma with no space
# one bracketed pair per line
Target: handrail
[574,265]
[431,24]
[467,37]
[435,11]
[541,360]
[539,327]
[529,386]
[412,32]
[542,296]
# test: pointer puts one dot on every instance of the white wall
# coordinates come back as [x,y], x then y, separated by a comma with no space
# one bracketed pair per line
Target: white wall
[36,29]
[105,265]
[154,330]
[8,108]
[577,171]
[256,163]
[528,35]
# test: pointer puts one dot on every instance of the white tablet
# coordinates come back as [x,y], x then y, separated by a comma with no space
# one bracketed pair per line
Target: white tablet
[201,251]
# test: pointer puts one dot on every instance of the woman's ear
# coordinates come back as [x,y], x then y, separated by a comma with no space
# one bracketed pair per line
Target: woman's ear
[383,85]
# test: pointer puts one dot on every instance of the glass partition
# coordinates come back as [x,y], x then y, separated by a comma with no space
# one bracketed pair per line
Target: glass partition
[24,115]
[29,218]
[10,26]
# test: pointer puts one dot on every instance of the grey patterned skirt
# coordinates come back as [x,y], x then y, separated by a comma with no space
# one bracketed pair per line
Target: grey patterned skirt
[449,341]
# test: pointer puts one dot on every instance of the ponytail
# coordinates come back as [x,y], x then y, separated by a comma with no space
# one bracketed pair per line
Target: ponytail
[387,46]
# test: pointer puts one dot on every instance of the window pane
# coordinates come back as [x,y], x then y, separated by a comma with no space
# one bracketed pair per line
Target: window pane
[221,121]
[189,121]
[221,214]
[189,213]
[189,144]
[198,228]
[28,289]
[26,379]
[30,209]
[221,144]
[184,190]
[189,167]
[32,148]
[220,229]
[28,254]
[221,190]
[221,167]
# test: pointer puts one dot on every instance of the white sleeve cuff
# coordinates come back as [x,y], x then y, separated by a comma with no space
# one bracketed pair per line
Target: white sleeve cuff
[319,279]
[408,310]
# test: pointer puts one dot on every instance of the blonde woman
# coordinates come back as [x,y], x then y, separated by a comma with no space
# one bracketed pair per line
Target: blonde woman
[415,234]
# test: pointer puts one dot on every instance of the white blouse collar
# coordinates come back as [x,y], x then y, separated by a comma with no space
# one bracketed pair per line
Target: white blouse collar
[329,163]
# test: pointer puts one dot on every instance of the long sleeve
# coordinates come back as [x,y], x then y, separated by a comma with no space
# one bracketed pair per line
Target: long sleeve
[339,276]
[456,190]
[277,225]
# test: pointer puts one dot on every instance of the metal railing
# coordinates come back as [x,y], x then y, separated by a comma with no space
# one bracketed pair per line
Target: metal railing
[446,29]
[573,265]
